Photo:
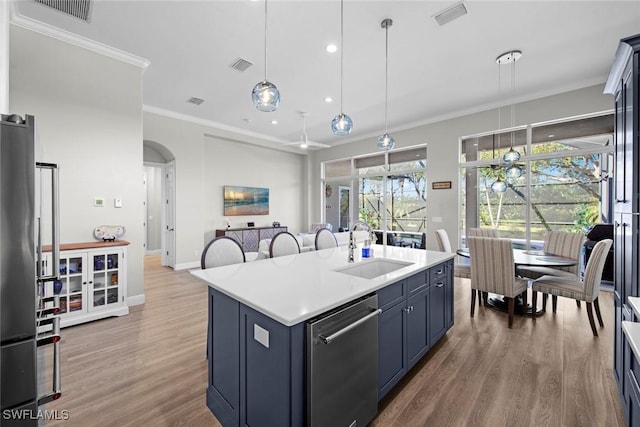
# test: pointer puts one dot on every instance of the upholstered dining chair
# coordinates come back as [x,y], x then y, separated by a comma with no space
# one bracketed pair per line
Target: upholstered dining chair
[325,239]
[572,287]
[492,271]
[222,250]
[559,243]
[283,243]
[483,232]
[444,245]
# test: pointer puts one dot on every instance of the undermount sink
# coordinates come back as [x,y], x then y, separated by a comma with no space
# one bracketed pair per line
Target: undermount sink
[371,269]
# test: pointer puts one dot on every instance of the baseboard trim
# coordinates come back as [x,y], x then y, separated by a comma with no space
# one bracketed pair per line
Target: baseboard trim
[187,265]
[135,300]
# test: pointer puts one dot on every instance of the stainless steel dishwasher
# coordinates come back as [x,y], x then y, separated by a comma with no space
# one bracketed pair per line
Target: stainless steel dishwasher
[342,365]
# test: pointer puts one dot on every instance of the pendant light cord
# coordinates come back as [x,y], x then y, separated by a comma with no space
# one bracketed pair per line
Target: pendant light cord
[341,53]
[386,75]
[513,89]
[265,40]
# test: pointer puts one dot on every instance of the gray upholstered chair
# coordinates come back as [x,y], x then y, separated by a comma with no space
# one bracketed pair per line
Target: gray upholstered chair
[483,232]
[444,245]
[559,243]
[325,239]
[283,243]
[581,290]
[222,250]
[492,271]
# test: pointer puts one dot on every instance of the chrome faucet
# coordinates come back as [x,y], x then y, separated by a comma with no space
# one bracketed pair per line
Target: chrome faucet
[361,225]
[352,246]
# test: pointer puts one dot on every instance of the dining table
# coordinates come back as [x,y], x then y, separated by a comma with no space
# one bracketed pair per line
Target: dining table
[527,257]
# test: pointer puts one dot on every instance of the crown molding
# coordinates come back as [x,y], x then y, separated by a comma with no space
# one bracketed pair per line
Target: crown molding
[76,40]
[221,130]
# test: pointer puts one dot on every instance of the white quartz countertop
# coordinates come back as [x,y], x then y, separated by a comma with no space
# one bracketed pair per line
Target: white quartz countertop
[295,288]
[634,302]
[632,332]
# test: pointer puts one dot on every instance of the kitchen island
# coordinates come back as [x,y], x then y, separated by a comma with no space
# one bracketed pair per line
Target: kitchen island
[258,312]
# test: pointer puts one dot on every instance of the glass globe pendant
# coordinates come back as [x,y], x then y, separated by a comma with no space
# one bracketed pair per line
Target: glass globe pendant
[499,186]
[341,125]
[511,156]
[265,96]
[386,142]
[513,171]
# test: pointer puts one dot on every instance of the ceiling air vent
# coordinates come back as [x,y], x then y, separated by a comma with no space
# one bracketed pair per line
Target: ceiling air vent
[195,101]
[76,8]
[241,64]
[450,13]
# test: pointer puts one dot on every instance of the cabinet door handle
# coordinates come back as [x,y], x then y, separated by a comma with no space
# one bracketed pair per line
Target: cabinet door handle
[440,271]
[407,310]
[439,284]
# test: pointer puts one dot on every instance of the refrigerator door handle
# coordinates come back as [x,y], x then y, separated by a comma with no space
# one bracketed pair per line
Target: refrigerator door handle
[55,223]
[54,338]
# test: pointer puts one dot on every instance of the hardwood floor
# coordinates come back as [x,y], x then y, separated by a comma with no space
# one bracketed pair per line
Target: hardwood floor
[149,368]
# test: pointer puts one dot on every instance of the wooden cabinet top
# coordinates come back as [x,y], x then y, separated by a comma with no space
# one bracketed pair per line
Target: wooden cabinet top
[250,228]
[86,245]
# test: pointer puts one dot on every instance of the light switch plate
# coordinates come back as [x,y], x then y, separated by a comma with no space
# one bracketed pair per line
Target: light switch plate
[261,335]
[117,202]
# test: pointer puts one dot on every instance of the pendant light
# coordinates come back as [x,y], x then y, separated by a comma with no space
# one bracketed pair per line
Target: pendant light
[341,124]
[265,95]
[511,57]
[386,142]
[498,186]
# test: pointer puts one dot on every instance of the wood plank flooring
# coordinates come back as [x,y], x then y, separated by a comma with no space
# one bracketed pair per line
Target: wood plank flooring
[149,368]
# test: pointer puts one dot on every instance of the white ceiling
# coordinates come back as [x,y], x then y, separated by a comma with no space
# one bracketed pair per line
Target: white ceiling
[434,72]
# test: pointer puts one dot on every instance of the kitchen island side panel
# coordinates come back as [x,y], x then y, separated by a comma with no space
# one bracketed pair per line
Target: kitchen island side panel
[223,352]
[272,378]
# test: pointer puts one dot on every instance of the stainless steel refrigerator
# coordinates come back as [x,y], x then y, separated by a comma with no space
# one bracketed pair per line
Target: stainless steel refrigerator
[28,312]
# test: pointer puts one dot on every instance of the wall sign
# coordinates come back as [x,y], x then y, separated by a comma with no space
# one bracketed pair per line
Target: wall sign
[441,185]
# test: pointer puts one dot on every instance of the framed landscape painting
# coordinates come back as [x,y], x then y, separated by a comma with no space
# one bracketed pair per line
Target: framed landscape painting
[245,201]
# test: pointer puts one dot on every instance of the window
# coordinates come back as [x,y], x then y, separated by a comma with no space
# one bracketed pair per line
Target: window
[564,184]
[387,191]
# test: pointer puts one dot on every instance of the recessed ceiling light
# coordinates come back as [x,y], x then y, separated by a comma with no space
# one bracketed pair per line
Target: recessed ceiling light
[551,136]
[328,99]
[274,122]
[331,48]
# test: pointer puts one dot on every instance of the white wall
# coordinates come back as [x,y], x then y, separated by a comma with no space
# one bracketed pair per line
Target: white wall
[252,166]
[205,162]
[89,120]
[442,152]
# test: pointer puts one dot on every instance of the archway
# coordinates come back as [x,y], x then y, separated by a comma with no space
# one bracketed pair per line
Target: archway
[159,205]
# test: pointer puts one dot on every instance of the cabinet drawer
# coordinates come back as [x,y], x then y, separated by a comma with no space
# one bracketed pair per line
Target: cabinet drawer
[391,295]
[437,272]
[417,282]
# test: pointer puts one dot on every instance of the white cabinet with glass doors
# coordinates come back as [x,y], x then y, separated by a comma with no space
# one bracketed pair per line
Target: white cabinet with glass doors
[94,281]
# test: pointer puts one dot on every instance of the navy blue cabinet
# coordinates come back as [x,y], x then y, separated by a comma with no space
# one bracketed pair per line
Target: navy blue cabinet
[624,84]
[632,389]
[392,326]
[256,366]
[417,312]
